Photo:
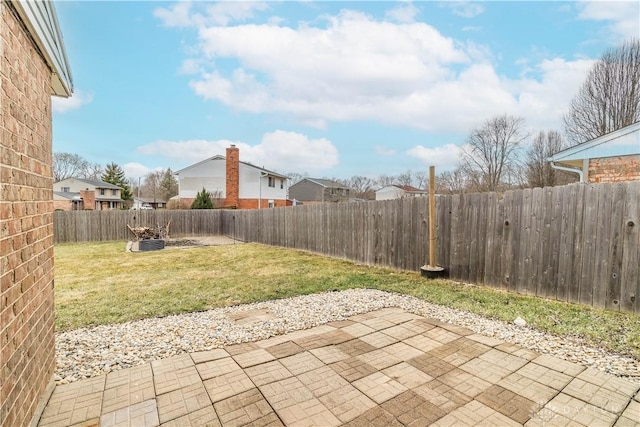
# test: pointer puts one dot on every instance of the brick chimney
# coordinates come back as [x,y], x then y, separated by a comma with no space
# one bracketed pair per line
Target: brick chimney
[233,177]
[88,199]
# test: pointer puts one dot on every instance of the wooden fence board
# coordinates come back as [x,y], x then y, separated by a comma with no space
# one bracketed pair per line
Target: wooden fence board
[629,281]
[589,236]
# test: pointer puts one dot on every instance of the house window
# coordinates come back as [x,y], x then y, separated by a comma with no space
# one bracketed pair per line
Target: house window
[102,191]
[271,204]
[281,183]
[272,181]
[65,189]
[113,192]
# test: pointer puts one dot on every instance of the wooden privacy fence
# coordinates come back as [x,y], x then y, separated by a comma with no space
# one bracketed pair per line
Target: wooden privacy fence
[578,243]
[88,226]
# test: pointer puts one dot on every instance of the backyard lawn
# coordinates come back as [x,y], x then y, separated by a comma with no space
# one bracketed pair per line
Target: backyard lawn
[100,283]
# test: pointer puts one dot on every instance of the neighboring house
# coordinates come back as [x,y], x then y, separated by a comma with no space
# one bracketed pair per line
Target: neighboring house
[148,203]
[612,157]
[316,190]
[33,67]
[231,183]
[88,194]
[391,192]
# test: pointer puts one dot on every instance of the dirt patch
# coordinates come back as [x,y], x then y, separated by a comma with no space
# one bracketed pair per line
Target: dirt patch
[189,242]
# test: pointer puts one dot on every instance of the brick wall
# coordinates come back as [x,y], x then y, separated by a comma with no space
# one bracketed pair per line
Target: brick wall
[615,169]
[26,225]
[253,203]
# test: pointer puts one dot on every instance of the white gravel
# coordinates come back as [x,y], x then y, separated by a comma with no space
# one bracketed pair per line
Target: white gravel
[88,352]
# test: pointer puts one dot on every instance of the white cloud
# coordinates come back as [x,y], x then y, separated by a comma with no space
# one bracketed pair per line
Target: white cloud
[77,100]
[353,67]
[225,12]
[444,158]
[138,170]
[179,15]
[222,13]
[466,9]
[279,150]
[406,12]
[623,15]
[544,100]
[193,150]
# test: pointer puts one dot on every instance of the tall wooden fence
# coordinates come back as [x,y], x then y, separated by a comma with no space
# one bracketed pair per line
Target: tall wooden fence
[578,243]
[88,226]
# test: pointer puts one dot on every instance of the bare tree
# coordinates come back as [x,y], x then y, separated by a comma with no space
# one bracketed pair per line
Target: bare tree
[151,186]
[609,99]
[384,180]
[421,178]
[538,170]
[92,171]
[452,182]
[490,156]
[361,187]
[405,178]
[68,165]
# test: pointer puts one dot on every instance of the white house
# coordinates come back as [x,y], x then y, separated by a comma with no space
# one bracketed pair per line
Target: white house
[233,183]
[391,192]
[88,194]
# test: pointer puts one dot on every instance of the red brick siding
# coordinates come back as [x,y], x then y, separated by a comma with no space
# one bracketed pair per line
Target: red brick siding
[253,203]
[615,169]
[27,359]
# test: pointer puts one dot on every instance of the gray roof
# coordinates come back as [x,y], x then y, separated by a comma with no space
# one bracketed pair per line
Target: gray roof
[68,195]
[327,183]
[219,157]
[99,184]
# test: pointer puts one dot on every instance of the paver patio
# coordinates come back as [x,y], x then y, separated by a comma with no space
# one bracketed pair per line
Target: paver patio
[384,368]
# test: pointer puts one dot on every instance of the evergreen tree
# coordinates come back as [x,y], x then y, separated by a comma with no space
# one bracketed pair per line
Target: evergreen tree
[168,184]
[113,174]
[202,201]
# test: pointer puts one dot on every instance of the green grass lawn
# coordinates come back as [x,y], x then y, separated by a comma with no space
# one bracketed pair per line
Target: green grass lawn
[100,283]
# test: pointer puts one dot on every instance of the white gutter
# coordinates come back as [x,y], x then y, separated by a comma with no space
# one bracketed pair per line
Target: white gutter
[568,169]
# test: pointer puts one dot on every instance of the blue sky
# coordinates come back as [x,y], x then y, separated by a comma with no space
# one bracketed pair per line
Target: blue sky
[330,88]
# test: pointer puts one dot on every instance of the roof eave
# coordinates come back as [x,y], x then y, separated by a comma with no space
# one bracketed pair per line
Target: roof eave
[42,22]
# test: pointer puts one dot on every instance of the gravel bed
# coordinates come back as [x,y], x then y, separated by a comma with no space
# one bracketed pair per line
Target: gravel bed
[89,352]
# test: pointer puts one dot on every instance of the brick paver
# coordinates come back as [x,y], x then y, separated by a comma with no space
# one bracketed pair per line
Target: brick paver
[407,375]
[379,387]
[288,348]
[141,414]
[227,385]
[346,403]
[248,407]
[508,403]
[252,358]
[267,373]
[301,363]
[355,347]
[182,401]
[353,369]
[384,368]
[216,368]
[412,409]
